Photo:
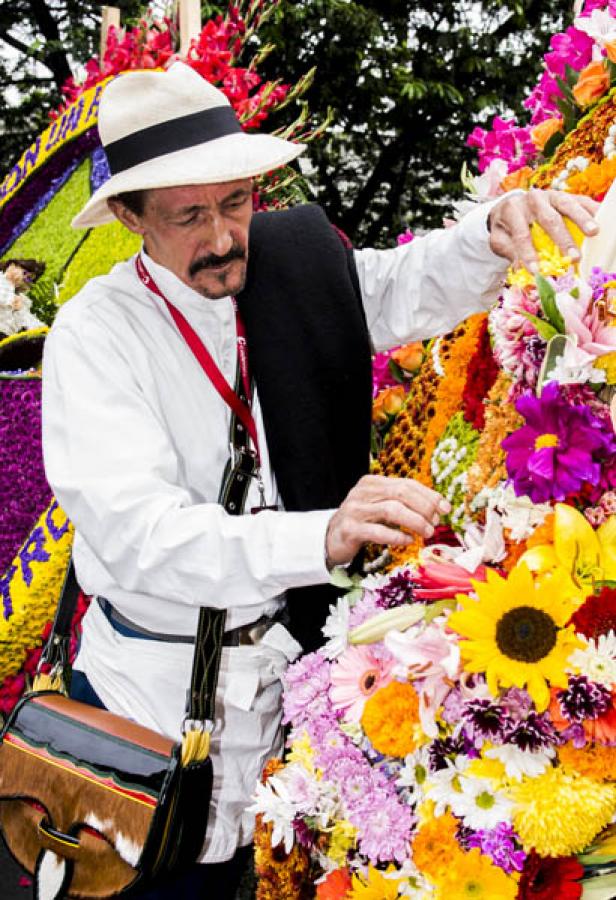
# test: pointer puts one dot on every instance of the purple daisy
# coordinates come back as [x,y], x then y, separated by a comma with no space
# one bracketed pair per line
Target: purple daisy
[534,733]
[583,699]
[398,590]
[560,448]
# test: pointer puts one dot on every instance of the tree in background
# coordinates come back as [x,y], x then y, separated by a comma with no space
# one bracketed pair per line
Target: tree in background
[406,82]
[41,42]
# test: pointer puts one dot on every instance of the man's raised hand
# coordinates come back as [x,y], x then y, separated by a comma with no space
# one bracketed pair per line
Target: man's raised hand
[376,510]
[510,221]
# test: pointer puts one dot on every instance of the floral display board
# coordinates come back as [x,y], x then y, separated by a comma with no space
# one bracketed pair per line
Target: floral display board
[455,735]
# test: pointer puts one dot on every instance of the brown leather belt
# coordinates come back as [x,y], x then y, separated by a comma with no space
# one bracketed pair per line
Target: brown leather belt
[243,636]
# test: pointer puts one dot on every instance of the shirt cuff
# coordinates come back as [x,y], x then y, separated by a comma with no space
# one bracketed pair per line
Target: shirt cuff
[298,558]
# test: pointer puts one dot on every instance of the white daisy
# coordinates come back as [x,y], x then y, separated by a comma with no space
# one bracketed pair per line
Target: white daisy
[274,803]
[597,661]
[520,763]
[336,628]
[479,805]
[443,787]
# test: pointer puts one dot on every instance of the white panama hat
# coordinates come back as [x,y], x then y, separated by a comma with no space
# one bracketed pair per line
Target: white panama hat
[166,129]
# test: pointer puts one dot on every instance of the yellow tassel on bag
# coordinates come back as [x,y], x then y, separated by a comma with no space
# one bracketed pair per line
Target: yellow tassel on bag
[43,682]
[195,746]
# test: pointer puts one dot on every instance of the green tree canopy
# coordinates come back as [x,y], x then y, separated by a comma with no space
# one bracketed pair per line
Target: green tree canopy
[407,82]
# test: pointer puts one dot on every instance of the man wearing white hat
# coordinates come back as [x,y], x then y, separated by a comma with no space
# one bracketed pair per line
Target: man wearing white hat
[139,411]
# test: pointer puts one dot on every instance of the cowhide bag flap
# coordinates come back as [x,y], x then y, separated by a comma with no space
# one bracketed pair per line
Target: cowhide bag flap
[92,804]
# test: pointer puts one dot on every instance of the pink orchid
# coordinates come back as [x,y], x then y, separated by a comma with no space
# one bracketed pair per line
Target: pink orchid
[594,336]
[431,658]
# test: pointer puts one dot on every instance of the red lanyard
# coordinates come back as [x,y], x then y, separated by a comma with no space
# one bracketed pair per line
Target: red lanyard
[204,358]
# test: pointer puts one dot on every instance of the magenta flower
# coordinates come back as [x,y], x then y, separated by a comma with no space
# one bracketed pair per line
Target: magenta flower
[569,48]
[561,447]
[507,140]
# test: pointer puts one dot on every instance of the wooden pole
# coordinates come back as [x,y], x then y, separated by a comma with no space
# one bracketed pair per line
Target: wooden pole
[110,16]
[189,15]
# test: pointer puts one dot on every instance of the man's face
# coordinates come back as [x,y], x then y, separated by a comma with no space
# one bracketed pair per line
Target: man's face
[200,233]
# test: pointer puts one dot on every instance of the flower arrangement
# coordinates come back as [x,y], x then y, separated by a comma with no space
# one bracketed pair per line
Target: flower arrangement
[455,735]
[569,142]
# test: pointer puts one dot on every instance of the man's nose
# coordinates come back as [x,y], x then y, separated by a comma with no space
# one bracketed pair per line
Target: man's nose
[221,239]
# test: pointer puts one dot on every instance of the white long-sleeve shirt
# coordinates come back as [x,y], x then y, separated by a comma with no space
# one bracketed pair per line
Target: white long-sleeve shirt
[135,442]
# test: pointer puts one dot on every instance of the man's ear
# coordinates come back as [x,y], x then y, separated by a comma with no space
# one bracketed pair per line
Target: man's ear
[126,216]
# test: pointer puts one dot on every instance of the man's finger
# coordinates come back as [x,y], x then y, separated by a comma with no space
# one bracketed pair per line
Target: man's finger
[510,235]
[408,491]
[581,210]
[393,512]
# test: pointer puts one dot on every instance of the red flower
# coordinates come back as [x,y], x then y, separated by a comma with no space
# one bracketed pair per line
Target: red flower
[480,377]
[597,615]
[546,879]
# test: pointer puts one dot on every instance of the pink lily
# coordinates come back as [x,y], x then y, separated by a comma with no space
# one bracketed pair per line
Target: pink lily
[438,578]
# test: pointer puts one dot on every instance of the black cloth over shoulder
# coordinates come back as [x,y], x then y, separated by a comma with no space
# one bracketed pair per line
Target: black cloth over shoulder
[310,355]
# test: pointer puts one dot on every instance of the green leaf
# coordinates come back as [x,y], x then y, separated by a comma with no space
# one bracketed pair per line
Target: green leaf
[544,329]
[555,349]
[396,371]
[547,295]
[435,609]
[340,578]
[553,143]
[569,113]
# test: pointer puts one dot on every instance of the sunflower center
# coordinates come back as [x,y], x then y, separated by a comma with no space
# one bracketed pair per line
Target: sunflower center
[526,634]
[368,681]
[546,440]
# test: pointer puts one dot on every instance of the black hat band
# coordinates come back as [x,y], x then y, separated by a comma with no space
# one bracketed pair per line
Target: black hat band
[168,137]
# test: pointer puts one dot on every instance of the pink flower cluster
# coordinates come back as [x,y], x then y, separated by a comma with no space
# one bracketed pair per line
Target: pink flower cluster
[569,48]
[507,141]
[370,801]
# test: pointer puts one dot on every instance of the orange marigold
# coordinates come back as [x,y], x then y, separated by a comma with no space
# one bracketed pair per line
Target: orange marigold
[434,846]
[595,180]
[336,886]
[596,761]
[281,876]
[390,719]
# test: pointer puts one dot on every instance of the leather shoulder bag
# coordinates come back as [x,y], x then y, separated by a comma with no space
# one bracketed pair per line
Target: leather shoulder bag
[92,803]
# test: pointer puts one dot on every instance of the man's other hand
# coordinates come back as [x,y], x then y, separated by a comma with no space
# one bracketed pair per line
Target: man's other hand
[510,220]
[376,510]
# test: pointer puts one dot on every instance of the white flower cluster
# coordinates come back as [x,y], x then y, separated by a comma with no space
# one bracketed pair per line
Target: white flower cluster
[609,145]
[574,165]
[446,458]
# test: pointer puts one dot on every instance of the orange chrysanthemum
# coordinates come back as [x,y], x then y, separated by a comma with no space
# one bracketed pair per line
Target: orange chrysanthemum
[390,719]
[596,761]
[434,845]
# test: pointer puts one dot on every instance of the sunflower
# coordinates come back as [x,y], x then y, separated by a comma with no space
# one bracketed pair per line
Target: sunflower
[516,632]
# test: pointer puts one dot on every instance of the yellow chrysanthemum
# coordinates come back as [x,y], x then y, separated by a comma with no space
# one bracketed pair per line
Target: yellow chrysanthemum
[302,752]
[608,363]
[374,886]
[341,840]
[551,260]
[560,814]
[515,632]
[474,876]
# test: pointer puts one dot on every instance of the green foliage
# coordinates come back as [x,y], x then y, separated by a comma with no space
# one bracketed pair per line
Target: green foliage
[407,82]
[51,239]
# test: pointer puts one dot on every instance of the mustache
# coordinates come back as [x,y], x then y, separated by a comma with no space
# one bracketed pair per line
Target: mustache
[211,260]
